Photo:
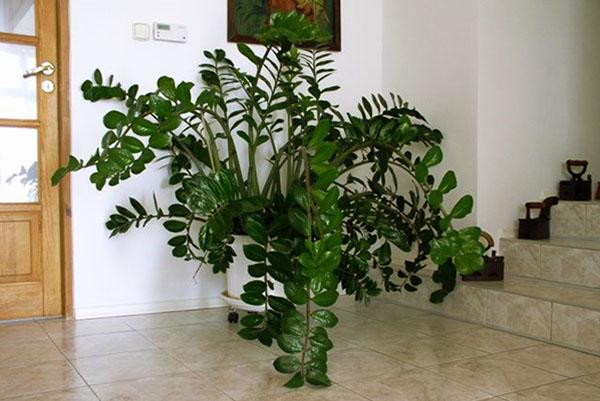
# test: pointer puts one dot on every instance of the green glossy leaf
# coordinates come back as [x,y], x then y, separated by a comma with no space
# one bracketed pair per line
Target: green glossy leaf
[255,252]
[160,140]
[421,173]
[433,157]
[280,304]
[256,230]
[326,299]
[247,52]
[252,320]
[296,381]
[132,144]
[287,364]
[175,226]
[299,221]
[257,270]
[435,199]
[114,118]
[296,293]
[253,298]
[318,378]
[325,318]
[250,333]
[448,182]
[320,133]
[120,157]
[289,343]
[463,207]
[166,85]
[143,127]
[255,286]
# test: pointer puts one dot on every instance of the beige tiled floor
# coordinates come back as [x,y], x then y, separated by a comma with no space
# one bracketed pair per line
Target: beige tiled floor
[385,353]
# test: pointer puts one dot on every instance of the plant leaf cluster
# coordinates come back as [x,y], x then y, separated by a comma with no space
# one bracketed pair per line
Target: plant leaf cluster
[342,191]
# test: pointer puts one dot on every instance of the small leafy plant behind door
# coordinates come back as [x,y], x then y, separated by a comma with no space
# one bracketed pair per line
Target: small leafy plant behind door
[332,206]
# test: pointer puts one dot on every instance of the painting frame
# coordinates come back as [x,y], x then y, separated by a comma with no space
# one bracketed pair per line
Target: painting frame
[234,36]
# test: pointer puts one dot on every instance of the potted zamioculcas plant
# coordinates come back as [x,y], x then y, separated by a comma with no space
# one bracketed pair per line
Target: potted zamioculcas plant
[332,206]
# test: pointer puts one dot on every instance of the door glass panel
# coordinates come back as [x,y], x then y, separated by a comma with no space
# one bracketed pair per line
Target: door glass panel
[18,98]
[17,16]
[18,165]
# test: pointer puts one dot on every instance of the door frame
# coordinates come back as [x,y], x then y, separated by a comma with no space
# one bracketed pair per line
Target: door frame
[64,113]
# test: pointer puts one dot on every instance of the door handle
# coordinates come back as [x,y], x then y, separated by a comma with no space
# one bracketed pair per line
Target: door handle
[46,68]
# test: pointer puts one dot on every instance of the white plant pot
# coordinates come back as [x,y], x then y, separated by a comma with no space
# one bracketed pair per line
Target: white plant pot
[237,277]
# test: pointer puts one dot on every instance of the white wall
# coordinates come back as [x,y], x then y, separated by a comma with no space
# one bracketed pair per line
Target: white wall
[513,84]
[135,273]
[430,59]
[539,100]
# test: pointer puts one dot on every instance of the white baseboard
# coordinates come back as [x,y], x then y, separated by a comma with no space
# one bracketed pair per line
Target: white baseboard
[144,308]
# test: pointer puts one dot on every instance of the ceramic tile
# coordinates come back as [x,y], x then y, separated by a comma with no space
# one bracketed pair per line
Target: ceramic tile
[591,379]
[576,327]
[434,324]
[568,220]
[222,354]
[333,393]
[384,312]
[521,258]
[371,333]
[78,394]
[11,333]
[592,228]
[495,375]
[489,340]
[248,381]
[39,378]
[185,336]
[519,314]
[127,366]
[60,328]
[103,344]
[467,302]
[558,360]
[354,364]
[348,319]
[415,385]
[573,266]
[563,391]
[428,351]
[182,387]
[172,319]
[29,353]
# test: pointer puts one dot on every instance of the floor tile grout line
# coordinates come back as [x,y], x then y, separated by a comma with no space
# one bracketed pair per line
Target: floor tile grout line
[540,368]
[534,387]
[75,369]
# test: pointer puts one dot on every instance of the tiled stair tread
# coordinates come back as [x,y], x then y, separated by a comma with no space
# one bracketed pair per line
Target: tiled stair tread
[562,242]
[557,292]
[546,290]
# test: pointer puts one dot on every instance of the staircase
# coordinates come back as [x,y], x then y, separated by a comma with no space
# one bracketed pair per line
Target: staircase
[551,289]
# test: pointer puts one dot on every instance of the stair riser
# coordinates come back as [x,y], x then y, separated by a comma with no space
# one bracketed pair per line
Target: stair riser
[545,320]
[552,263]
[576,220]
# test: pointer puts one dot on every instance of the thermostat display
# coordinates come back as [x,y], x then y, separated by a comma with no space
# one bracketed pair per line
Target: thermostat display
[170,32]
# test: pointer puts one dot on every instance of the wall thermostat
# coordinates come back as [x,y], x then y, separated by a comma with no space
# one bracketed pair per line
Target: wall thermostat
[141,31]
[170,32]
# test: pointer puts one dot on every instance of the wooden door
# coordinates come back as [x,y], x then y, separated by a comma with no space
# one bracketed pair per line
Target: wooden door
[30,233]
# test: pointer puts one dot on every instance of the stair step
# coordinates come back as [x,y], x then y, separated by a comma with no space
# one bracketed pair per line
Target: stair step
[576,220]
[570,261]
[557,313]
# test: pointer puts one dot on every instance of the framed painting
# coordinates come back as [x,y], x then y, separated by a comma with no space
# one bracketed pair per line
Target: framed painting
[246,17]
